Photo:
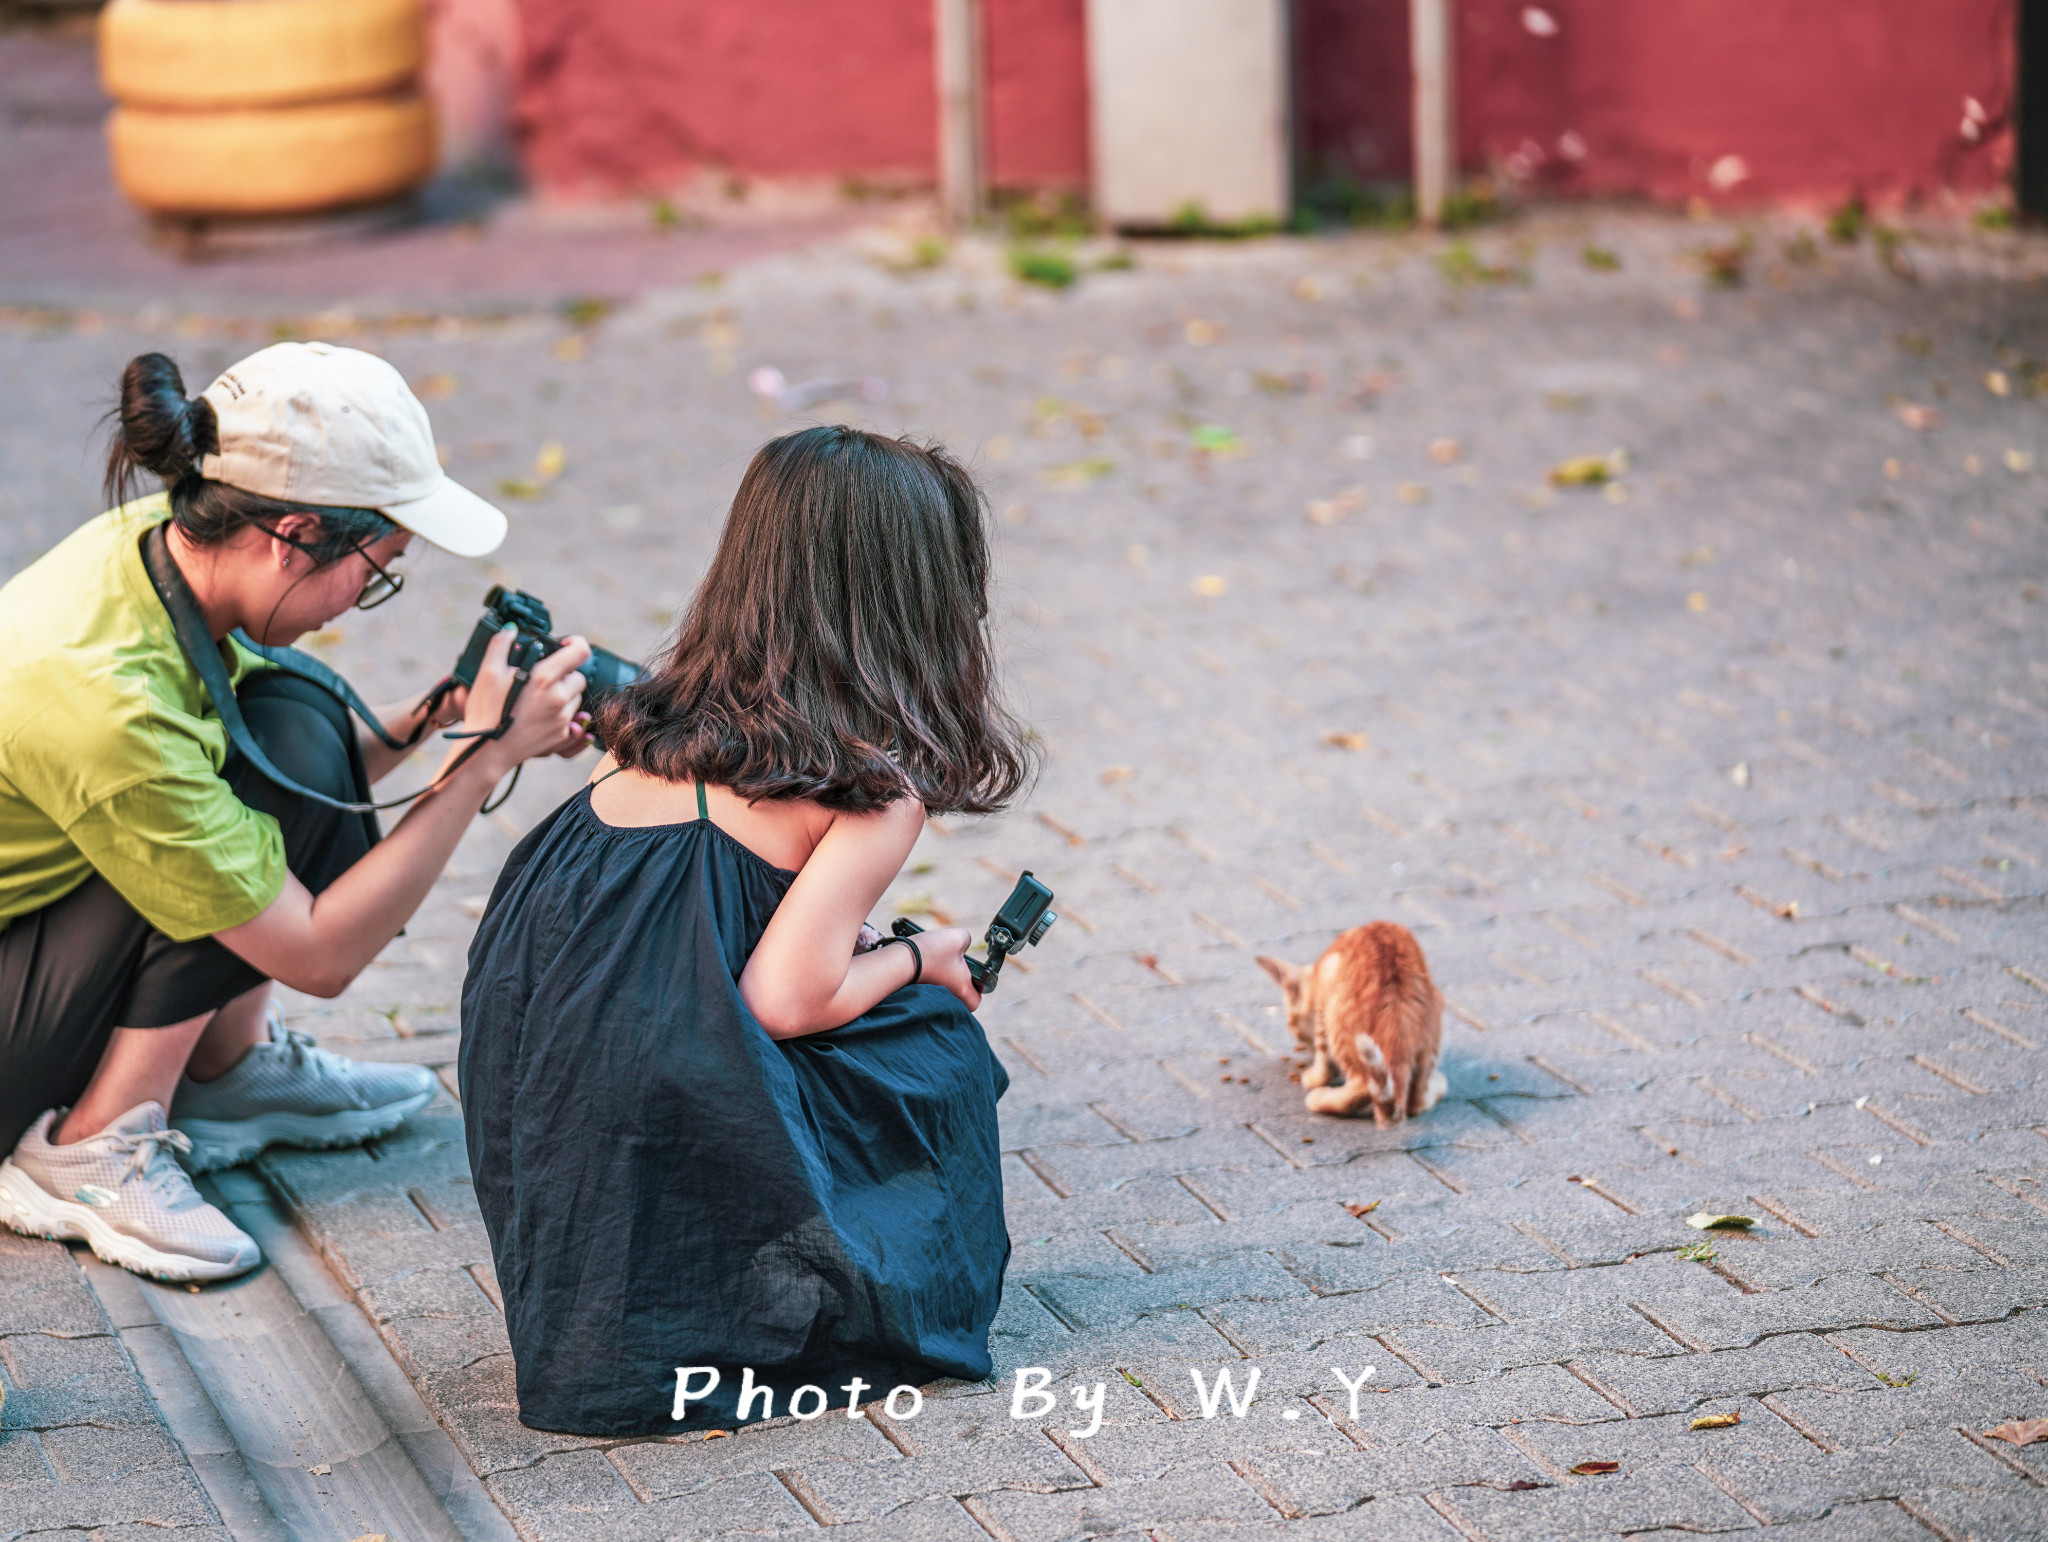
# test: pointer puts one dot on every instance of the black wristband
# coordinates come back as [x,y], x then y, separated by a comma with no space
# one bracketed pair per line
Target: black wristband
[917,957]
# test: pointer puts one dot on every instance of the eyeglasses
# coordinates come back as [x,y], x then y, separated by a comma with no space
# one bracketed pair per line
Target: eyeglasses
[382,584]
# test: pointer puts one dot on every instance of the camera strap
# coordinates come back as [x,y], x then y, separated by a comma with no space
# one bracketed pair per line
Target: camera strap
[196,641]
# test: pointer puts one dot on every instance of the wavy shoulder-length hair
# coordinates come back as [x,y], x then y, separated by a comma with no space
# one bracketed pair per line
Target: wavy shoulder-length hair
[838,647]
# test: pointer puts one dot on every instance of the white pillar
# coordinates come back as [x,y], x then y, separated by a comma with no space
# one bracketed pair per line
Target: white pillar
[1189,108]
[957,33]
[1429,28]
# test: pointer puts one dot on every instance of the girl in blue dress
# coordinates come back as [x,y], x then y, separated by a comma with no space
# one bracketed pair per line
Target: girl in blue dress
[714,1126]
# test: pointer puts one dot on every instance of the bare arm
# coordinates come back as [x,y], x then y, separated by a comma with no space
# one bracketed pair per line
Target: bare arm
[804,977]
[318,944]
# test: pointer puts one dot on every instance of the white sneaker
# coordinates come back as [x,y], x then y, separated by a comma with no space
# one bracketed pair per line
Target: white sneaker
[122,1191]
[291,1092]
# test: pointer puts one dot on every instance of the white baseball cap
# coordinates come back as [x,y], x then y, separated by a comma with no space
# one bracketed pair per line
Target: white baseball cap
[313,423]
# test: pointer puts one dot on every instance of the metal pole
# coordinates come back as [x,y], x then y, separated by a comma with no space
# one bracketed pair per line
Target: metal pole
[1429,28]
[957,25]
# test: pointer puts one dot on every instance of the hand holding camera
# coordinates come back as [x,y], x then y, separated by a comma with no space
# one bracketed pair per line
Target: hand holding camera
[1021,923]
[545,707]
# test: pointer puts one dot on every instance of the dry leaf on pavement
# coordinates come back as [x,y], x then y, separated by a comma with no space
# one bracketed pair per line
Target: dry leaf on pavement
[1717,1421]
[1358,1210]
[1589,470]
[2021,1432]
[1917,417]
[1702,1221]
[1591,1469]
[1348,741]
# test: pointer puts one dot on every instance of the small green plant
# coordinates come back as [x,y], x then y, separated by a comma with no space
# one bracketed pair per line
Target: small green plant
[1037,265]
[1600,259]
[1699,1253]
[1335,198]
[663,214]
[1904,1379]
[1993,216]
[1127,1376]
[1845,225]
[1044,214]
[1477,204]
[1190,219]
[586,311]
[1462,266]
[1116,262]
[1802,249]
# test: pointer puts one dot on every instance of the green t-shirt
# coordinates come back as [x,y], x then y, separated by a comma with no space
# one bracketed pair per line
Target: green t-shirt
[110,750]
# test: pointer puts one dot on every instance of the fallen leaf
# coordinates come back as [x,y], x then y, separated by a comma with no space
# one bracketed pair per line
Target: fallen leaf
[1117,774]
[517,487]
[1357,1210]
[1348,741]
[1717,1421]
[1522,1485]
[1997,382]
[1211,585]
[1591,1469]
[717,1434]
[1444,451]
[1589,470]
[1079,473]
[1199,332]
[1327,511]
[1703,1221]
[2019,462]
[435,387]
[549,463]
[571,348]
[1917,417]
[1412,492]
[2021,1432]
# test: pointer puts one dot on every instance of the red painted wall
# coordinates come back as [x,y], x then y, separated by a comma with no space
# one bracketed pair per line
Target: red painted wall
[1818,98]
[623,95]
[633,94]
[1037,92]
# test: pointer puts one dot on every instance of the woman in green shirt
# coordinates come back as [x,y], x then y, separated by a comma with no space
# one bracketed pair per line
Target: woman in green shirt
[152,882]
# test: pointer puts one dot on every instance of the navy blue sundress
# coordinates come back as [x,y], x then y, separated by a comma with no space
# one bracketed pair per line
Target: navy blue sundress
[667,1186]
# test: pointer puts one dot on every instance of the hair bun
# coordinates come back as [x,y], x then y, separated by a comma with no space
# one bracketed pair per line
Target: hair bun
[163,431]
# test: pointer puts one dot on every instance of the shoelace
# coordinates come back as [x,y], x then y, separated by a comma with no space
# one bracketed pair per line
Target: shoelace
[304,1052]
[149,1159]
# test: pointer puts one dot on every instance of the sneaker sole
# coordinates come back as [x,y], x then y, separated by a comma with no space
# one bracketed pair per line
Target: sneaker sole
[218,1143]
[29,1209]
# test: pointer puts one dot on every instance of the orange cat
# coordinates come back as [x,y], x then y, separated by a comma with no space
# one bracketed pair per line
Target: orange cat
[1372,1016]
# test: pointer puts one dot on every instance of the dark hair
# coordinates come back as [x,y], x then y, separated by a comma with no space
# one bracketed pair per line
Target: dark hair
[157,430]
[838,646]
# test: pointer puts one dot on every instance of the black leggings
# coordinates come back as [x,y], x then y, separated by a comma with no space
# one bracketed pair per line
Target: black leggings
[88,963]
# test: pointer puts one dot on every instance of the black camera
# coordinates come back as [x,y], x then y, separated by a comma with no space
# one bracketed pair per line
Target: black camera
[604,673]
[1022,921]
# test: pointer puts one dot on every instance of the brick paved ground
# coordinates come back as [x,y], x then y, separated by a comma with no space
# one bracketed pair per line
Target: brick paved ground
[1716,799]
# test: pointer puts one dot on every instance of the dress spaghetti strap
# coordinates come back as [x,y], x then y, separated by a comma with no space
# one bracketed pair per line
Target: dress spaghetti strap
[703,809]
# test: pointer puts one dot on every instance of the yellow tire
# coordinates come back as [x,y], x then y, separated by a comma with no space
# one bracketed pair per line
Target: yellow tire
[257,53]
[288,160]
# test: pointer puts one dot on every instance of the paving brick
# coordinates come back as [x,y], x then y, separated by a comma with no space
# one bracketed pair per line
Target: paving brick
[1552,732]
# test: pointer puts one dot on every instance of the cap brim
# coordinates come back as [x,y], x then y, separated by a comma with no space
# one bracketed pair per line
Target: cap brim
[453,518]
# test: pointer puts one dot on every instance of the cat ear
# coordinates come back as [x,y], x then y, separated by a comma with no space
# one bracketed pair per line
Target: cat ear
[1287,976]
